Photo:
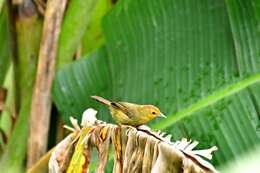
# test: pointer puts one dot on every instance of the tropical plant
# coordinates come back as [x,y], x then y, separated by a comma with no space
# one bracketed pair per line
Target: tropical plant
[198,61]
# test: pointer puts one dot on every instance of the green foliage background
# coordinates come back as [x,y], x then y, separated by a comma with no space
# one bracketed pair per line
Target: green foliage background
[179,55]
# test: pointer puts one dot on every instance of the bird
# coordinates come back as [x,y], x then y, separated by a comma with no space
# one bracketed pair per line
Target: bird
[125,113]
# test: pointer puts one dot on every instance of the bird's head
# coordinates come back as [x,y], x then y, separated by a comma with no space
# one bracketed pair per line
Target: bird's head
[153,112]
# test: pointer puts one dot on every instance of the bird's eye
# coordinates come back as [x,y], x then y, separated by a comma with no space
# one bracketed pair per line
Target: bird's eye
[153,113]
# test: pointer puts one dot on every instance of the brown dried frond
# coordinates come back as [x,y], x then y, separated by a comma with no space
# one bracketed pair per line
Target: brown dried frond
[134,150]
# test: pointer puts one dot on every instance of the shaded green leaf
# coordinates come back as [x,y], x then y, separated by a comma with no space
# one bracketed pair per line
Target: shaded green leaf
[75,83]
[75,21]
[5,54]
[93,36]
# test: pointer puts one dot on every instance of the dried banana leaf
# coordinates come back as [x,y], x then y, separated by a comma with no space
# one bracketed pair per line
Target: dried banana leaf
[134,150]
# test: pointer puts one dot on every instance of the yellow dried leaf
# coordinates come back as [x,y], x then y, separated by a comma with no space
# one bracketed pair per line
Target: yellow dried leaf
[77,163]
[103,134]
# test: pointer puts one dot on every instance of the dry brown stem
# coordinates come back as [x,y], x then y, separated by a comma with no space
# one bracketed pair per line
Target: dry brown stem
[41,101]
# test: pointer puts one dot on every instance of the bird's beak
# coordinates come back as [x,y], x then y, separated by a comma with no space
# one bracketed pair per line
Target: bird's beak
[161,115]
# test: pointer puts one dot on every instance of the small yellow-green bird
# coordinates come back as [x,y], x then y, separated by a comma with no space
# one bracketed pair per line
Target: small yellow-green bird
[129,113]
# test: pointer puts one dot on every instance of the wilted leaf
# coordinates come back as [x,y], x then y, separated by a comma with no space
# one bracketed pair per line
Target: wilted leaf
[61,155]
[81,156]
[134,150]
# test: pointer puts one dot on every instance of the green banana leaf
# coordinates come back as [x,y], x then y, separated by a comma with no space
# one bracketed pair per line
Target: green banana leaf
[197,58]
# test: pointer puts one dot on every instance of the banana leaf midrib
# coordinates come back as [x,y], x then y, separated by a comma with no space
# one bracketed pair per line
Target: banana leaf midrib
[207,101]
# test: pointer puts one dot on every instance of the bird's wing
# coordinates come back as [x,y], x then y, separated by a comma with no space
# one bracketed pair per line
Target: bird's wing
[123,107]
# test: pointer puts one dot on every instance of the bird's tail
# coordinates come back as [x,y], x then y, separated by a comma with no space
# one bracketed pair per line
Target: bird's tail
[101,100]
